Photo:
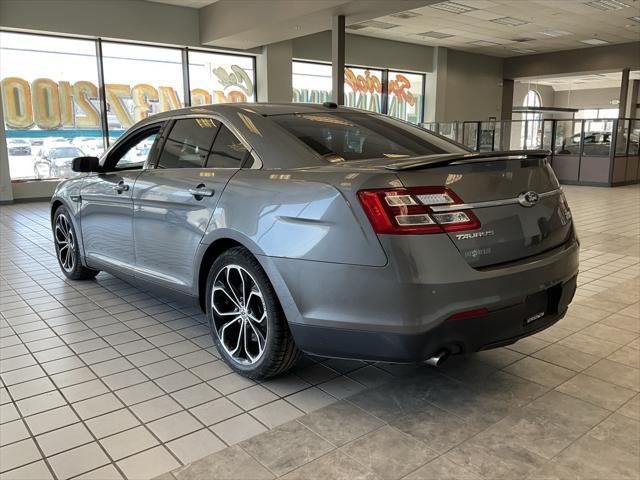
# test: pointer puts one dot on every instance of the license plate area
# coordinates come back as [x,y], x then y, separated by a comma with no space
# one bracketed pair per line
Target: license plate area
[543,303]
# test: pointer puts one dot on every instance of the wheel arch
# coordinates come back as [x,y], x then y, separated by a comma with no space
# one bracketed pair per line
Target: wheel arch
[220,245]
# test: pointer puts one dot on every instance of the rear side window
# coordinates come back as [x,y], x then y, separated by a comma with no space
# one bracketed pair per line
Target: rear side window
[358,136]
[227,151]
[189,143]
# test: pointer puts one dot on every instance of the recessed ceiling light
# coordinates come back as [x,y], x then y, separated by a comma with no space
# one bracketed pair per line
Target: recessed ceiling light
[607,5]
[555,33]
[594,41]
[372,24]
[523,50]
[406,15]
[509,21]
[453,7]
[435,35]
[483,43]
[635,19]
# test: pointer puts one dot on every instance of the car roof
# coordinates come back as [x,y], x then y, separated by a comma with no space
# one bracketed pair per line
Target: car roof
[264,109]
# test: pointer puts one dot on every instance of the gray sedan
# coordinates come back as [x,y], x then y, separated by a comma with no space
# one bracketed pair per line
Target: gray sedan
[326,230]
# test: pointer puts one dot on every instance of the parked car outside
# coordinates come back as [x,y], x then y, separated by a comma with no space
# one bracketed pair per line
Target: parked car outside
[18,146]
[327,230]
[55,162]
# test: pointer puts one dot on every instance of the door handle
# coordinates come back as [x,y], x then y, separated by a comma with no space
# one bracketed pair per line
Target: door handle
[121,187]
[199,192]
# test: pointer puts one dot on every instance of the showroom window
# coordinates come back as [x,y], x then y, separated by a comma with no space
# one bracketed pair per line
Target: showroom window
[140,81]
[402,98]
[311,82]
[220,78]
[50,90]
[50,101]
[406,96]
[531,131]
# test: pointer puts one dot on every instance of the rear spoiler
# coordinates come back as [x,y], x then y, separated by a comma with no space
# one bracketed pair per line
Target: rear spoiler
[432,161]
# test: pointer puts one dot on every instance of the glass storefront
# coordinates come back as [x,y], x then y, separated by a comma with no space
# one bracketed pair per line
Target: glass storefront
[50,93]
[311,82]
[219,78]
[140,81]
[50,101]
[406,96]
[364,88]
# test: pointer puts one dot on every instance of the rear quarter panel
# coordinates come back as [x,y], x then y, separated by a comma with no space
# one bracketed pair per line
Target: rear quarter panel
[296,214]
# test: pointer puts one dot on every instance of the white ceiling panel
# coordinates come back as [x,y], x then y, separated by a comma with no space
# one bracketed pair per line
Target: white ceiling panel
[580,21]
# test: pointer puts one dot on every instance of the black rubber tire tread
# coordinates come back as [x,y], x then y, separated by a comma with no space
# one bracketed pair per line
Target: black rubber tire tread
[281,352]
[79,272]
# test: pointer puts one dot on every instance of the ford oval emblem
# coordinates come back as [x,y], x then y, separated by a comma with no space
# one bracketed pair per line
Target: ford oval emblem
[528,199]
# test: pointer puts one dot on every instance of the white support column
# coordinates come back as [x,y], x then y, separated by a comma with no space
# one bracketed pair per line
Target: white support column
[273,67]
[6,191]
[435,99]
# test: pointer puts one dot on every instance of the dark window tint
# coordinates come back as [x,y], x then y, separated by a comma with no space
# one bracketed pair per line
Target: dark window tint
[227,151]
[357,136]
[189,143]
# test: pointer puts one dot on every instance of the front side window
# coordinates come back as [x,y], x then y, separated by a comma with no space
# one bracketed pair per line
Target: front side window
[134,154]
[189,143]
[357,136]
[227,151]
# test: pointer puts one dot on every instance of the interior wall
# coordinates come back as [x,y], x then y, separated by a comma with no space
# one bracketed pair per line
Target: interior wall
[120,19]
[591,98]
[474,86]
[366,51]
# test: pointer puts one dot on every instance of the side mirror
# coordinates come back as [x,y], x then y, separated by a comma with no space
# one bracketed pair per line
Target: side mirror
[85,164]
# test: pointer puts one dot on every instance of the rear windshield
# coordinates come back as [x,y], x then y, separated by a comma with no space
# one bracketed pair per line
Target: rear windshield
[358,136]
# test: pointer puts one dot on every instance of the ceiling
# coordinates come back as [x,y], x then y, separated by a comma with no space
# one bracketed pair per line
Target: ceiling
[509,28]
[503,28]
[186,3]
[581,82]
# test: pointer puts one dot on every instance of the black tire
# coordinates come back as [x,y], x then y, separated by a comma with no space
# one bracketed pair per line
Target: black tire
[280,352]
[69,261]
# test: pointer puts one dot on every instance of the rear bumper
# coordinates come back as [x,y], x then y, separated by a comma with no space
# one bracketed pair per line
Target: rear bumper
[498,328]
[399,312]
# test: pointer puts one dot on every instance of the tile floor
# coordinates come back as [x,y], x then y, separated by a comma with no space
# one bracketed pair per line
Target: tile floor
[101,380]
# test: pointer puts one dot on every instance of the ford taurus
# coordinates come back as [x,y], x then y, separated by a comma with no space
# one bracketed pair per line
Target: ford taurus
[326,230]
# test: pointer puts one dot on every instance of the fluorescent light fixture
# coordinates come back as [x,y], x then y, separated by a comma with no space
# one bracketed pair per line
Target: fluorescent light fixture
[372,24]
[594,41]
[483,43]
[435,35]
[453,7]
[607,5]
[406,15]
[509,21]
[555,33]
[523,50]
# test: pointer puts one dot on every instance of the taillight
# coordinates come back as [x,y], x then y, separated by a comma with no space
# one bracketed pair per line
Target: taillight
[410,210]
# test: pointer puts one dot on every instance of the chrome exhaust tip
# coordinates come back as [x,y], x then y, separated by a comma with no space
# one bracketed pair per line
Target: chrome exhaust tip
[438,359]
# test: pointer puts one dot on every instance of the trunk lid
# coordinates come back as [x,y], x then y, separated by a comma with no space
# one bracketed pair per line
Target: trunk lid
[518,201]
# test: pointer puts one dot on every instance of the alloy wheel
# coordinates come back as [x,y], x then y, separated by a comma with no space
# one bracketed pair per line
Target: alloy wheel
[65,243]
[239,315]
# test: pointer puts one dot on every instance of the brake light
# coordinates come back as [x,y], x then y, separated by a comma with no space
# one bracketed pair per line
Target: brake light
[409,210]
